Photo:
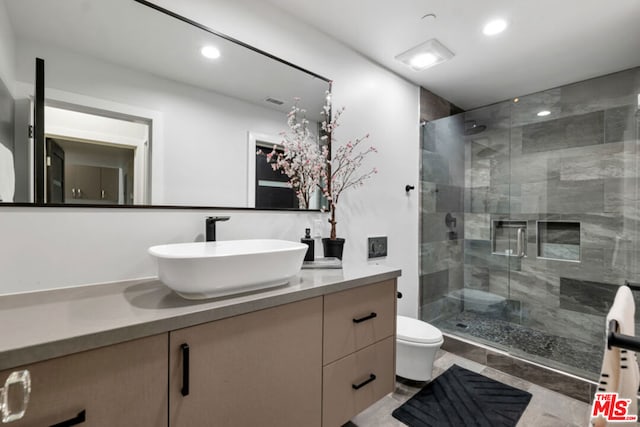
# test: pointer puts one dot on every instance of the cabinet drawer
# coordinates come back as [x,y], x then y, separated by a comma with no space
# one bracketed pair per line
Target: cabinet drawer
[120,385]
[349,322]
[341,400]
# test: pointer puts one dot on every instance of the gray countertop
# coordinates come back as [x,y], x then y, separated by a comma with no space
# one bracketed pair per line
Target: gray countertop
[42,325]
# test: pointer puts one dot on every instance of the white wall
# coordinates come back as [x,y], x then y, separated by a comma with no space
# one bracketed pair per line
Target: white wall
[7,49]
[102,245]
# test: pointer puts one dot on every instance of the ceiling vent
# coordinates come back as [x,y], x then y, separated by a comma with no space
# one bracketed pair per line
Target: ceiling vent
[274,101]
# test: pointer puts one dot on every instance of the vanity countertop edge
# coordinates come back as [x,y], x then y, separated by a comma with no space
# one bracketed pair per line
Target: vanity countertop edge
[43,325]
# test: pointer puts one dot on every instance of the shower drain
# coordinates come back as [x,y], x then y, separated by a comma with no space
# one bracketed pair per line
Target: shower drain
[462,325]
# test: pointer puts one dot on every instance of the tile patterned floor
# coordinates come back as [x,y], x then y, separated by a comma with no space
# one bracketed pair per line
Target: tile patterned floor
[546,409]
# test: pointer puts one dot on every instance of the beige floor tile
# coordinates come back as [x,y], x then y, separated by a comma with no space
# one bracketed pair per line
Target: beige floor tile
[546,409]
[506,378]
[379,414]
[449,359]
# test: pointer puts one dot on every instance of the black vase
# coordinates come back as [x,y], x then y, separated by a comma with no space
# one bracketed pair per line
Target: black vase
[333,248]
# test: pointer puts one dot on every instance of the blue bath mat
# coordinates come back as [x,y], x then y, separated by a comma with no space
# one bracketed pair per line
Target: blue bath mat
[461,398]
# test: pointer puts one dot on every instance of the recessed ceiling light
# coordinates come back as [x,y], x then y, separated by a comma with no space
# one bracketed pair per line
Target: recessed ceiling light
[494,27]
[543,113]
[425,55]
[210,52]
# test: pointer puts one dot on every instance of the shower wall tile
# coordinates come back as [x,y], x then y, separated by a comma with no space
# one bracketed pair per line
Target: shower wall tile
[499,282]
[494,199]
[556,134]
[575,196]
[449,198]
[586,296]
[484,149]
[478,174]
[441,308]
[434,228]
[435,168]
[428,137]
[602,92]
[476,277]
[434,286]
[534,168]
[535,286]
[500,170]
[439,256]
[428,197]
[592,266]
[434,107]
[580,168]
[477,226]
[434,257]
[621,164]
[456,277]
[533,197]
[600,230]
[620,124]
[478,253]
[620,194]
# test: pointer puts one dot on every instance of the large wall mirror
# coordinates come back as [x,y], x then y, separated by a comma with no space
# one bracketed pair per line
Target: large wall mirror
[132,105]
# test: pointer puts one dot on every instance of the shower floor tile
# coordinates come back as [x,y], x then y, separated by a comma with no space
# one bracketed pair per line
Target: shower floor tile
[570,355]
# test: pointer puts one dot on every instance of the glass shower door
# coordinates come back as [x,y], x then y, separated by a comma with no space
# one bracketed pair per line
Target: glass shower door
[543,203]
[574,182]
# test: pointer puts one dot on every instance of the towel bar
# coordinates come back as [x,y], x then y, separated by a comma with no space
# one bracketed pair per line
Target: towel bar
[615,339]
[632,286]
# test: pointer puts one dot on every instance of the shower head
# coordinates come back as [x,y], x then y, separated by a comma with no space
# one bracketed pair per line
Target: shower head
[472,128]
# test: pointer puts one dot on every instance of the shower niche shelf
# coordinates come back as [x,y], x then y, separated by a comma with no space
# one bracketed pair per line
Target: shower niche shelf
[509,238]
[559,240]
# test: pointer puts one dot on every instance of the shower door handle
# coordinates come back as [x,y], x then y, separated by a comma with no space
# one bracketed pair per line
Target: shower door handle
[520,243]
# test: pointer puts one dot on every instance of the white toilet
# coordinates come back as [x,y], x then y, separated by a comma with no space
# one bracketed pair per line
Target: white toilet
[416,345]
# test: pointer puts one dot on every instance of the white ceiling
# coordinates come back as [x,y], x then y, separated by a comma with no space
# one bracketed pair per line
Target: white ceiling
[548,42]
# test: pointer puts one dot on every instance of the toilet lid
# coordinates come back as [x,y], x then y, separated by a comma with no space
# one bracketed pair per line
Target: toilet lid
[415,330]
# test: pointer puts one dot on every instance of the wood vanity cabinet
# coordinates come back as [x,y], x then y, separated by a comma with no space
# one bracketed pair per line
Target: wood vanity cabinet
[358,350]
[315,362]
[120,385]
[258,369]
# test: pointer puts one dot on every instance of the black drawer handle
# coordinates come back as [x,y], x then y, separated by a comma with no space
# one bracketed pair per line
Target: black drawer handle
[185,369]
[399,295]
[372,377]
[362,319]
[78,419]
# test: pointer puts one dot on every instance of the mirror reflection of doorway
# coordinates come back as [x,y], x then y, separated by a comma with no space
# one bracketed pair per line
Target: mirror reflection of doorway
[55,172]
[95,159]
[89,172]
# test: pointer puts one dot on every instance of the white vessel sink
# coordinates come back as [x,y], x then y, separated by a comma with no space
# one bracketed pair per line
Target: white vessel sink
[212,269]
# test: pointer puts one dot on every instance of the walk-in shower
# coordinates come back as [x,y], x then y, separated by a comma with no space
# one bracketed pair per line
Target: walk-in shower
[547,220]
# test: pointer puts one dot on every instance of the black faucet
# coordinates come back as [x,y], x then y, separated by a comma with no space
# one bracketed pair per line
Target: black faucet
[210,227]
